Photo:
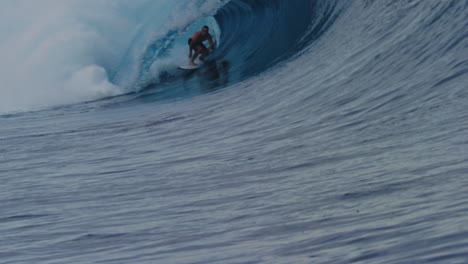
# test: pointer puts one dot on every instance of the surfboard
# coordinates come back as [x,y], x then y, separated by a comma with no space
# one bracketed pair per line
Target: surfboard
[189,67]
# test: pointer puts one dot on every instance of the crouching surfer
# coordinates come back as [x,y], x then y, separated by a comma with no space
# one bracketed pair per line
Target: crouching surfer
[196,44]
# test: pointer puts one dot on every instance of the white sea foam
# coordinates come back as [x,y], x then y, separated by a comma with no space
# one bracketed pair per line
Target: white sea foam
[60,52]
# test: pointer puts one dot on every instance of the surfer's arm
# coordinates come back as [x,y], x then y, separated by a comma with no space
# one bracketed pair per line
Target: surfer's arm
[210,40]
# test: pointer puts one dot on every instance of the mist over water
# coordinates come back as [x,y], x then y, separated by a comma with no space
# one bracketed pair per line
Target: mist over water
[62,52]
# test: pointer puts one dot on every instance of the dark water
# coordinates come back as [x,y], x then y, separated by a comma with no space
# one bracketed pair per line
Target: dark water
[341,139]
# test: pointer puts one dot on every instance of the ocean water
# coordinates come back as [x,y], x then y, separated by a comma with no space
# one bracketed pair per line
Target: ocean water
[319,131]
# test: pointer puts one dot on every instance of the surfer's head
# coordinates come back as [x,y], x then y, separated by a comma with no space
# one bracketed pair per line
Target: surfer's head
[205,30]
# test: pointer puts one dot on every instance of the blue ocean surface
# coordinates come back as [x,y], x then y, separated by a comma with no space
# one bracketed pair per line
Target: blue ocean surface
[319,131]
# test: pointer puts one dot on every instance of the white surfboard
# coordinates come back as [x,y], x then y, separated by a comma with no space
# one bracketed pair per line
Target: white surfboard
[189,67]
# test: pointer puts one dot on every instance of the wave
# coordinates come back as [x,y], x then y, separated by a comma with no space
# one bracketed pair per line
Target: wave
[66,52]
[58,53]
[253,36]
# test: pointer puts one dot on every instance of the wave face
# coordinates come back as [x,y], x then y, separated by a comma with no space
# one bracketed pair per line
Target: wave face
[319,131]
[259,34]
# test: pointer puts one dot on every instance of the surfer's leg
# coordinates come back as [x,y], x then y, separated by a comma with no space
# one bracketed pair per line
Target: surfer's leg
[190,48]
[194,57]
[192,61]
[204,52]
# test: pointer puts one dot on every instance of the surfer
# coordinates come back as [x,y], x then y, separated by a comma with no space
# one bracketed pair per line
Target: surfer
[196,44]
